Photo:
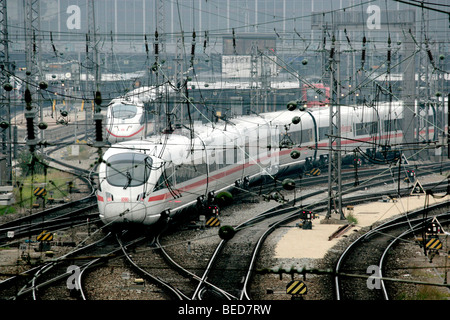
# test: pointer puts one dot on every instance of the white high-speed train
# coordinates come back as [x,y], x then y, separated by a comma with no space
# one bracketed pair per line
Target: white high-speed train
[141,181]
[125,119]
[126,116]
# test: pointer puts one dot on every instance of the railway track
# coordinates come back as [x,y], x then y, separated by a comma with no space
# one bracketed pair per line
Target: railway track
[234,260]
[67,276]
[228,273]
[359,270]
[138,263]
[58,217]
[32,283]
[232,263]
[372,175]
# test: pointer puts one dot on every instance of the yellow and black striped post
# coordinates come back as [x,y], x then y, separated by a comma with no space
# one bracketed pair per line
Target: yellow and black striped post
[213,222]
[314,172]
[45,236]
[40,192]
[296,287]
[434,243]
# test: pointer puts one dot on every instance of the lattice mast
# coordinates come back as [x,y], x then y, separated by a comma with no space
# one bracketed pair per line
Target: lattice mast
[5,103]
[160,55]
[254,81]
[33,69]
[334,142]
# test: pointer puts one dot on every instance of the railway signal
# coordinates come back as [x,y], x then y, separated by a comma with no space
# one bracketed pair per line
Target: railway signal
[314,172]
[288,184]
[432,243]
[357,162]
[410,176]
[306,216]
[434,228]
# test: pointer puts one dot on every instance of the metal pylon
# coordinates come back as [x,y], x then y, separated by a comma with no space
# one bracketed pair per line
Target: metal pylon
[334,142]
[178,107]
[33,63]
[92,54]
[254,90]
[5,103]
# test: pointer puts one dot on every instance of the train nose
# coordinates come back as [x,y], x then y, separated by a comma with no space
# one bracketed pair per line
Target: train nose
[134,212]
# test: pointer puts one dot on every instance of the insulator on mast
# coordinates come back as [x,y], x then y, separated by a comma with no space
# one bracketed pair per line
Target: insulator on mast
[205,41]
[156,43]
[234,42]
[146,44]
[389,50]
[363,54]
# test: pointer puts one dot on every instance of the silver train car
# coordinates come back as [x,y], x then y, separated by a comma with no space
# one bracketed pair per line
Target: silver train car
[143,181]
[125,119]
[126,116]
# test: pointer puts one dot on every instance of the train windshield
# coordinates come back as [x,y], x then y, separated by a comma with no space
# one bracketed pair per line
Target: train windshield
[124,111]
[128,169]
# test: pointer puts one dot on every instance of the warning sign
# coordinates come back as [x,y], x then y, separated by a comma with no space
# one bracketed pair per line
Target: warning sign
[434,244]
[45,236]
[296,287]
[417,188]
[40,192]
[314,172]
[213,222]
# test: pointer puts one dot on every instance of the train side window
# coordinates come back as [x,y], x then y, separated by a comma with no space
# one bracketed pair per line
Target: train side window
[296,136]
[166,178]
[220,159]
[392,125]
[161,184]
[323,131]
[185,172]
[246,150]
[366,128]
[306,135]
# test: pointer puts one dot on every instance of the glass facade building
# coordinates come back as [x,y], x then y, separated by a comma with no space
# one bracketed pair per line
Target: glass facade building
[288,28]
[128,21]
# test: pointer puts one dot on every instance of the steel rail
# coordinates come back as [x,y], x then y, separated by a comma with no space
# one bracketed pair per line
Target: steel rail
[279,210]
[174,291]
[203,279]
[47,267]
[389,224]
[188,273]
[416,228]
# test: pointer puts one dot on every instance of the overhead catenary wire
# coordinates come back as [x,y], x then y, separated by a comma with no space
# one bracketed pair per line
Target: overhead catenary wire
[332,10]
